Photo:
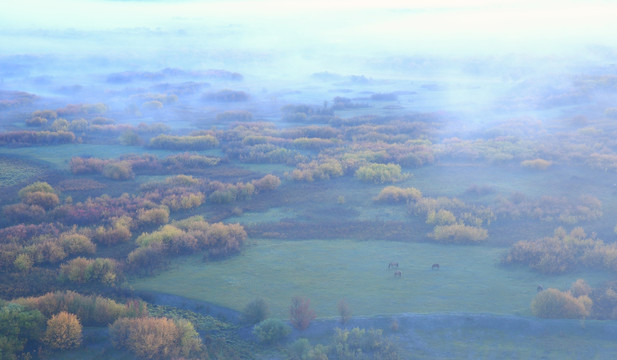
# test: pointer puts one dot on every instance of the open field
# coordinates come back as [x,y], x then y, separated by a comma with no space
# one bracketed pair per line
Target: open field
[470,279]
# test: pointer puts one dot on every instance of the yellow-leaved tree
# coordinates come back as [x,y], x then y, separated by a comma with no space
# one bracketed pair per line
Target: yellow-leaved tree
[63,331]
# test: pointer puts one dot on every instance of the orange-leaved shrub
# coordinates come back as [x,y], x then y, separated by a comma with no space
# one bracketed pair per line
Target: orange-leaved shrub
[90,309]
[82,270]
[396,194]
[459,233]
[563,252]
[300,312]
[555,304]
[156,338]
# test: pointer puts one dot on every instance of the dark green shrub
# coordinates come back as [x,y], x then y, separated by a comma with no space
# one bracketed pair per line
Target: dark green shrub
[256,311]
[271,331]
[359,344]
[299,350]
[19,329]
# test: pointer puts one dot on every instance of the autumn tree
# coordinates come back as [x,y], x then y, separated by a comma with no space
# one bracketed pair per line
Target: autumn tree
[300,312]
[63,331]
[344,311]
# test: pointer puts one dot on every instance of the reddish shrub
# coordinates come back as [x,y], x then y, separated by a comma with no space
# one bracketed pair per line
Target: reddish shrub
[300,313]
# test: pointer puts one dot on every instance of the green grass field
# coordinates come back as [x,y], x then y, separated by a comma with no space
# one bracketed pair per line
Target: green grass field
[470,278]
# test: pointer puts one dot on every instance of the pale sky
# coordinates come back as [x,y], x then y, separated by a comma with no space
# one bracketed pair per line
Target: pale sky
[386,23]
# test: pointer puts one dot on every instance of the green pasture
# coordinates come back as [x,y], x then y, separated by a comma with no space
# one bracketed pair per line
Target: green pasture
[276,169]
[470,278]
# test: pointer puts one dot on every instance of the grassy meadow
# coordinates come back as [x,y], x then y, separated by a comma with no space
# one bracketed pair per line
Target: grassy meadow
[470,279]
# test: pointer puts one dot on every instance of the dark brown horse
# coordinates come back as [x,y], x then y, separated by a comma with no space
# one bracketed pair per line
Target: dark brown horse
[435,267]
[393,265]
[398,274]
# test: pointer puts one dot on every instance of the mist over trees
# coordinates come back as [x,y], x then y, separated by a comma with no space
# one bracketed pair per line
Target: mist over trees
[174,174]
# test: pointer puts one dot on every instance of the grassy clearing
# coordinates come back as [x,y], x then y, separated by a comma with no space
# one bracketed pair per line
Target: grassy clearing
[469,280]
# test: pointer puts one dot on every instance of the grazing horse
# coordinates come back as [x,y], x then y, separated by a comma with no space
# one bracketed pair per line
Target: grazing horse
[393,265]
[398,273]
[540,288]
[435,267]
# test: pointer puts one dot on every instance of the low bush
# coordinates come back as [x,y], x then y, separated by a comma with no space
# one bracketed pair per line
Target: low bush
[563,252]
[45,200]
[200,142]
[156,338]
[379,173]
[118,170]
[271,331]
[77,244]
[255,311]
[555,304]
[91,310]
[268,182]
[156,216]
[300,313]
[396,194]
[360,344]
[82,270]
[459,233]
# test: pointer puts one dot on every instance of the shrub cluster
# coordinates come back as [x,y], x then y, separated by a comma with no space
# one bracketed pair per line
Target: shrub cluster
[270,331]
[379,173]
[318,170]
[396,194]
[198,142]
[555,304]
[186,236]
[459,233]
[563,252]
[26,138]
[20,329]
[549,209]
[82,270]
[156,338]
[91,310]
[356,344]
